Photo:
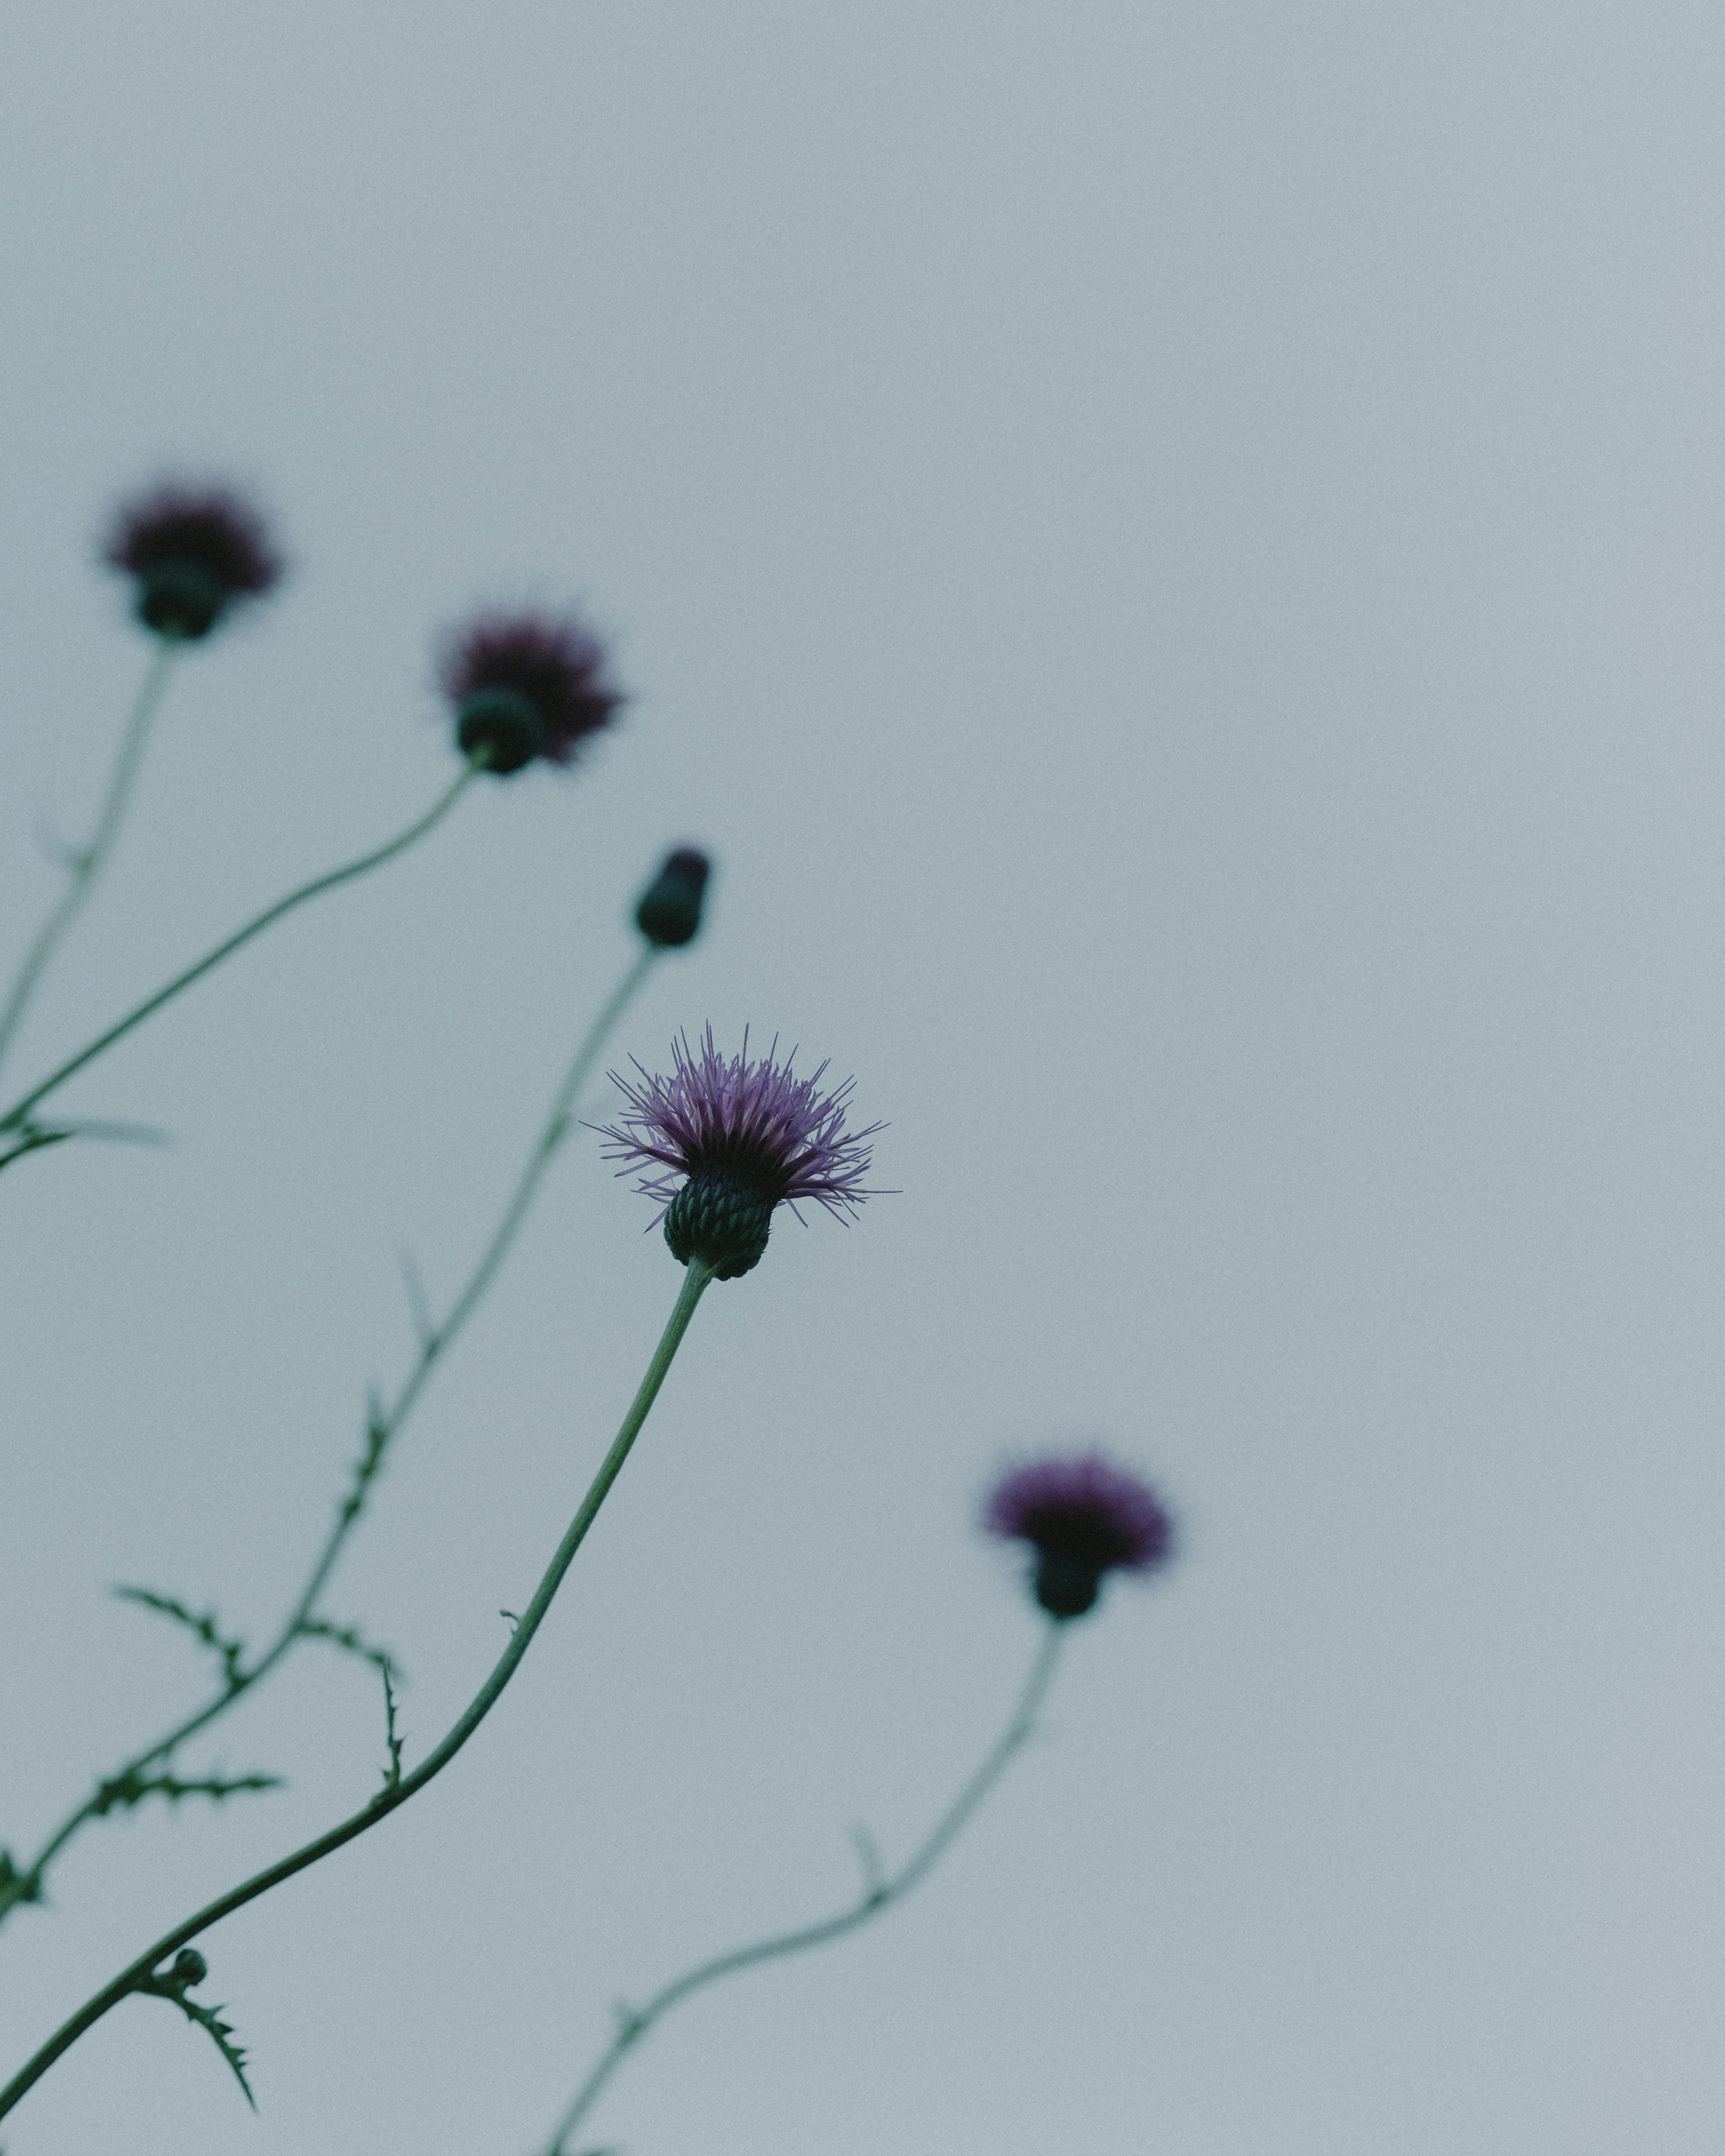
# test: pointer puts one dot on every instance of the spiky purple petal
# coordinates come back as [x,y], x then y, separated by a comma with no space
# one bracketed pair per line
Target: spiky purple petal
[212,525]
[551,661]
[192,550]
[1083,1512]
[756,1120]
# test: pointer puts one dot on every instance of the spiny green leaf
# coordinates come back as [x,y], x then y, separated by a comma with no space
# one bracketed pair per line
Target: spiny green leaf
[117,1133]
[208,2017]
[349,1637]
[378,1432]
[133,1786]
[32,1140]
[392,1772]
[189,1969]
[209,1634]
[15,1886]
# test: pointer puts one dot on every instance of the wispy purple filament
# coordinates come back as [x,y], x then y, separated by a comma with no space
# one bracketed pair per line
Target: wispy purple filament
[755,1119]
[1082,1512]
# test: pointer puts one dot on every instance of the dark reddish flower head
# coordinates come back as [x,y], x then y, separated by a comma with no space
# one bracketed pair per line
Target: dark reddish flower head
[525,686]
[192,550]
[725,1142]
[1083,1518]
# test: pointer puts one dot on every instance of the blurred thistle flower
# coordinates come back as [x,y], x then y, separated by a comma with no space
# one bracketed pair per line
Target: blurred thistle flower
[725,1142]
[192,550]
[1083,1518]
[669,912]
[525,686]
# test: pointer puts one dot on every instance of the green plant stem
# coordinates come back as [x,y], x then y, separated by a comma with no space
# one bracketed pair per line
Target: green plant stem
[556,1129]
[390,1798]
[18,1113]
[386,1425]
[878,1896]
[85,864]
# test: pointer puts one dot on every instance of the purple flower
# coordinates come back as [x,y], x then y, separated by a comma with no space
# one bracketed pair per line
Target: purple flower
[1083,1518]
[525,686]
[193,551]
[725,1142]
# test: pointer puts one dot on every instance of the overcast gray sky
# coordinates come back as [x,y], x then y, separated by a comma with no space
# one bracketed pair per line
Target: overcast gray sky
[1174,556]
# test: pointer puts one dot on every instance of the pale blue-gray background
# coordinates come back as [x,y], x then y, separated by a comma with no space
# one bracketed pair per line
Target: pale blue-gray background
[1175,555]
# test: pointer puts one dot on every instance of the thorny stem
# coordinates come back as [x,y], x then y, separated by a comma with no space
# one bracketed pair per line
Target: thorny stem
[389,1798]
[19,1112]
[385,1425]
[85,864]
[877,1896]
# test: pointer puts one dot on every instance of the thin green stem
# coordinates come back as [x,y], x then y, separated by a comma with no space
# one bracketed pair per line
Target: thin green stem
[85,864]
[556,1129]
[19,1112]
[386,1425]
[878,1896]
[397,1793]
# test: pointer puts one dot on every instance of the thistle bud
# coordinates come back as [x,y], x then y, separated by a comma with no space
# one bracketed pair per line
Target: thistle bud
[721,1218]
[1065,1588]
[668,913]
[501,727]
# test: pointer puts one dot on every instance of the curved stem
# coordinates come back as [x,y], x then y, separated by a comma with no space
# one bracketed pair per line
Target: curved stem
[634,2024]
[386,1423]
[19,1112]
[556,1129]
[396,1792]
[85,866]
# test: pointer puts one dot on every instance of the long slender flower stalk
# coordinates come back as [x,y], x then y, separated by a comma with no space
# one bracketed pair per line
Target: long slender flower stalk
[1084,1518]
[385,1423]
[19,1116]
[193,553]
[85,864]
[397,1787]
[879,1895]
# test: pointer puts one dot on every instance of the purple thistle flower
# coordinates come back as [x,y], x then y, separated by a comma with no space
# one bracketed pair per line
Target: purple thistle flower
[192,550]
[525,686]
[725,1142]
[1083,1518]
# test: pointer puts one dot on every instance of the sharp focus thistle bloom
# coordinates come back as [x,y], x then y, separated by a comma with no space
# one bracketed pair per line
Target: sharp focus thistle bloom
[525,686]
[192,550]
[668,913]
[1083,1518]
[725,1142]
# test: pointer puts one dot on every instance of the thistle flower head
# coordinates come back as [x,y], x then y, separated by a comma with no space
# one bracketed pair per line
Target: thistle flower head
[1083,1518]
[192,550]
[725,1142]
[525,686]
